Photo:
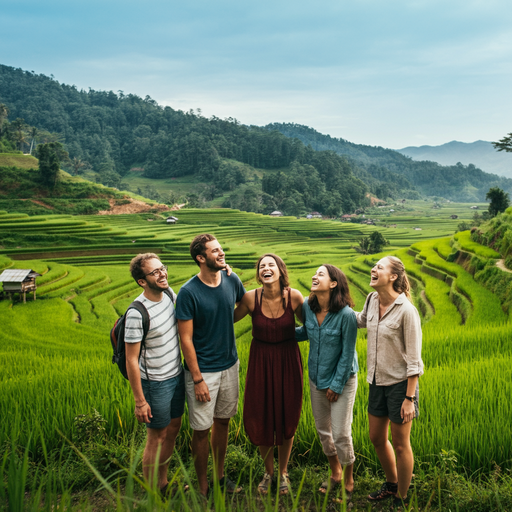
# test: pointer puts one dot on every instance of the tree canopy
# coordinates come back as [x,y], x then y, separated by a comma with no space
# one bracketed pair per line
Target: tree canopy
[50,155]
[504,144]
[389,174]
[499,201]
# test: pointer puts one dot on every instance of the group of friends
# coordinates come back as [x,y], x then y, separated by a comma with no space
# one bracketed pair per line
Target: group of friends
[201,318]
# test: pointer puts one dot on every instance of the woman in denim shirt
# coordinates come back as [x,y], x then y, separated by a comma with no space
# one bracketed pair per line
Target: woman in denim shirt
[331,327]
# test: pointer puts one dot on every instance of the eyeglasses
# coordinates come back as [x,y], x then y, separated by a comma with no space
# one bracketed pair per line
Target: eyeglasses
[157,271]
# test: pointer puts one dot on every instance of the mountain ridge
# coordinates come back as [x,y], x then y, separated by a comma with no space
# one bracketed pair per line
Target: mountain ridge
[480,153]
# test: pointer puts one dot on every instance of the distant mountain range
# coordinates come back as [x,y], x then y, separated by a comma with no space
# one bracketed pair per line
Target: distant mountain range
[480,153]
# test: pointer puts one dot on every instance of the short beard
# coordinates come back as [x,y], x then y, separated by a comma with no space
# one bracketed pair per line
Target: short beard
[156,286]
[213,265]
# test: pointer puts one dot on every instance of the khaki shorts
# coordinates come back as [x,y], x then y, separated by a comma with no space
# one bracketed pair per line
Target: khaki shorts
[224,390]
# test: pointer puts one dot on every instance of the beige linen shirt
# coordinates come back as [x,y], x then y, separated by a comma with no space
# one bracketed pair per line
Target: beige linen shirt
[394,341]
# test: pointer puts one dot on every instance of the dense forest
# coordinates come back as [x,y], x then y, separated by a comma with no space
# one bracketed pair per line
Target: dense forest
[457,182]
[111,133]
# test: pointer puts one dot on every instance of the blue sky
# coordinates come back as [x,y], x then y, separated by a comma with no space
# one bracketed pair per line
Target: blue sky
[390,73]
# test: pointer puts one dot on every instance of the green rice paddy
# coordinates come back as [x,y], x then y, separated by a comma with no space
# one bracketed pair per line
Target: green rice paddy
[56,351]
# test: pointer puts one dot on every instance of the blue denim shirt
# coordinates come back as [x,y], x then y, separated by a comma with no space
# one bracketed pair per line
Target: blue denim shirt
[332,347]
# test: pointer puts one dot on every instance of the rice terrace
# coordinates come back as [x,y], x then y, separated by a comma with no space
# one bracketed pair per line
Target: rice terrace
[68,435]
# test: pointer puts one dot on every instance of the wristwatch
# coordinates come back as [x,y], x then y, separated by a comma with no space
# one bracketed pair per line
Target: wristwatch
[411,398]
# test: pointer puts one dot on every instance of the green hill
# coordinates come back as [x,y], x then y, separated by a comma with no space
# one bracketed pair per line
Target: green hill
[18,160]
[21,190]
[114,133]
[465,183]
[119,138]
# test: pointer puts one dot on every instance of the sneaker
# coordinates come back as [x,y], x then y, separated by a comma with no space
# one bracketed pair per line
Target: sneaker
[230,486]
[387,489]
[265,484]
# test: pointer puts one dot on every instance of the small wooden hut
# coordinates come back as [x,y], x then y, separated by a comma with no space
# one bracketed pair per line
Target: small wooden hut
[19,280]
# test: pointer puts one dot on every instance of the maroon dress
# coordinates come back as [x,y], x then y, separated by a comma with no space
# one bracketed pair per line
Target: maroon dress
[273,388]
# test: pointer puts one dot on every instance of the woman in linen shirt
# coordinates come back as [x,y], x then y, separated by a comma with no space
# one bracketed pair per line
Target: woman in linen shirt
[330,324]
[394,366]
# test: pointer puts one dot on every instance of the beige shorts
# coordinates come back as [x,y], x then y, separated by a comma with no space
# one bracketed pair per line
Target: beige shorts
[224,390]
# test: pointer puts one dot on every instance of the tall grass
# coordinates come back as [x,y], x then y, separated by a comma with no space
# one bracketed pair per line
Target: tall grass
[56,356]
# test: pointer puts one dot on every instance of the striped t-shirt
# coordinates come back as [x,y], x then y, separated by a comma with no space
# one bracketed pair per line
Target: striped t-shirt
[162,347]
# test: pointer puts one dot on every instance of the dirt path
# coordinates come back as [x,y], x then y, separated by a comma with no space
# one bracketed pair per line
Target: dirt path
[501,264]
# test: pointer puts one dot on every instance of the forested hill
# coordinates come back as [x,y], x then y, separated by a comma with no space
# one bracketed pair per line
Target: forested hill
[456,182]
[298,170]
[115,132]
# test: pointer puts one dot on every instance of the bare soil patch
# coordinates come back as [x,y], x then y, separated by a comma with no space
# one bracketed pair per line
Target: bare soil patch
[134,206]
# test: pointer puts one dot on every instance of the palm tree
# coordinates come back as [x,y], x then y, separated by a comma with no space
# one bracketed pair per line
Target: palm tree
[77,164]
[4,114]
[33,133]
[17,125]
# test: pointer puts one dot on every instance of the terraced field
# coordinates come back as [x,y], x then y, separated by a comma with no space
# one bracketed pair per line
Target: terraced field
[56,351]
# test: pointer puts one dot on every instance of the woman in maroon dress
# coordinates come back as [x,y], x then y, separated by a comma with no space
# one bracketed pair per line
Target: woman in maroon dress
[273,388]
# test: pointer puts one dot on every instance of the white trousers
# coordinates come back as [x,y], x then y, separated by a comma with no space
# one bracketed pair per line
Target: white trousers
[333,421]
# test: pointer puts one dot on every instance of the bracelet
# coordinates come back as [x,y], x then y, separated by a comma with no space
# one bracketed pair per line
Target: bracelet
[196,382]
[139,406]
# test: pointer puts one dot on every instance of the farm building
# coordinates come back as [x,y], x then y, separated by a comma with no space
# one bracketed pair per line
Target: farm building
[19,281]
[454,216]
[276,214]
[171,220]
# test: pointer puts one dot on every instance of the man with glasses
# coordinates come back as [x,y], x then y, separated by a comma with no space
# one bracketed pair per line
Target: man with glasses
[205,319]
[156,378]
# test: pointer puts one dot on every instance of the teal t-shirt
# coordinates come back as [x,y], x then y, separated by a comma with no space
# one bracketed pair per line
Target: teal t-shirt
[211,309]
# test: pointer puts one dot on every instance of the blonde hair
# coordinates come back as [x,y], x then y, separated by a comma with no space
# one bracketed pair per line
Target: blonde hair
[401,284]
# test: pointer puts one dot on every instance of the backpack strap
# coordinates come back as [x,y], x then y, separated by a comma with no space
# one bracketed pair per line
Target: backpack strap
[169,293]
[145,328]
[145,318]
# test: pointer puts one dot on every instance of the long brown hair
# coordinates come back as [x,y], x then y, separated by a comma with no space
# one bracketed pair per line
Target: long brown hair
[281,265]
[340,295]
[401,284]
[283,273]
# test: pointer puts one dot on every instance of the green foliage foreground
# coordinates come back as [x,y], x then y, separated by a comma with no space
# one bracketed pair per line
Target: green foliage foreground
[67,415]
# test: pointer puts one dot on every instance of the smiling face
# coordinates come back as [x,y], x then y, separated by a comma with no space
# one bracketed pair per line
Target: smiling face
[157,281]
[268,271]
[215,256]
[321,281]
[381,275]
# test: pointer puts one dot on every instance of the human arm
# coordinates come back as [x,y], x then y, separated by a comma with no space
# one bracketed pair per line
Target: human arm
[186,330]
[301,333]
[412,338]
[411,325]
[244,306]
[142,408]
[408,411]
[297,302]
[345,364]
[361,316]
